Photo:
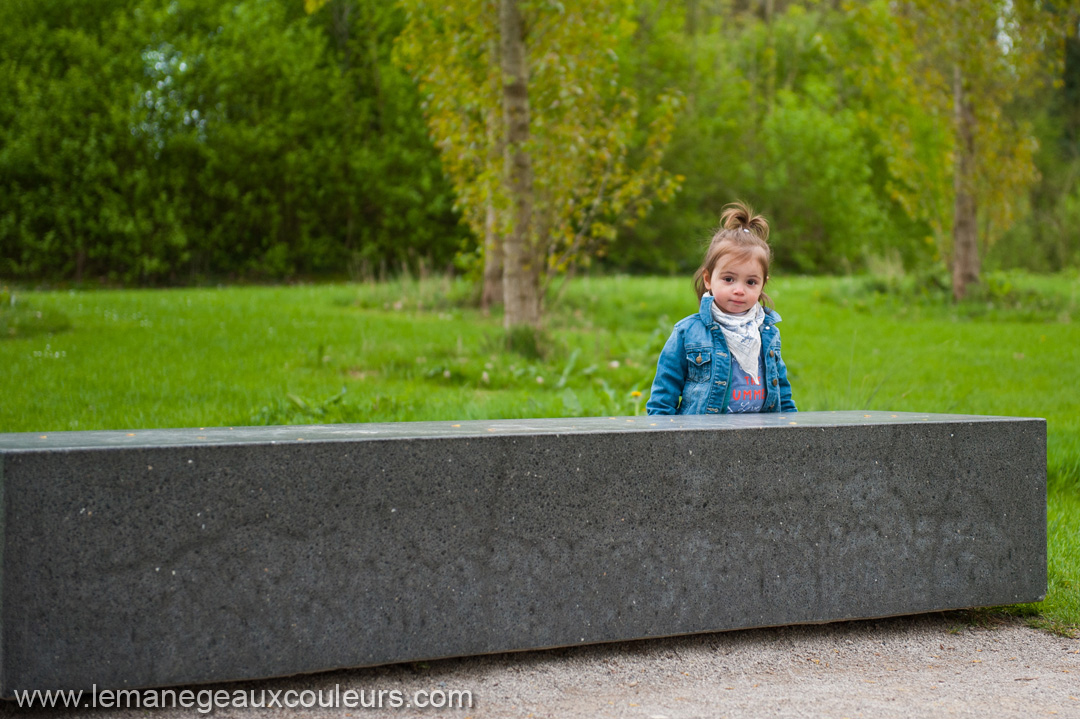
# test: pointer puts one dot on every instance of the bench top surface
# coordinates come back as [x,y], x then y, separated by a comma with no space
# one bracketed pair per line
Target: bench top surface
[196,436]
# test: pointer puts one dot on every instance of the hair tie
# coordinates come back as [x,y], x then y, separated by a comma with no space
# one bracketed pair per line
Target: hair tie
[745,230]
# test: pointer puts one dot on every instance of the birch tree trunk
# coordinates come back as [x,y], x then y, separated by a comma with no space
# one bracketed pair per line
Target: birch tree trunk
[965,259]
[521,267]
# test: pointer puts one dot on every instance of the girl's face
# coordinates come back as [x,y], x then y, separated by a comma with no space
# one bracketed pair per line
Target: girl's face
[736,284]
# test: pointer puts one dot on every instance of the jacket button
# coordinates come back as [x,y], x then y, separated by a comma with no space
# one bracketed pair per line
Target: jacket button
[771,353]
[775,382]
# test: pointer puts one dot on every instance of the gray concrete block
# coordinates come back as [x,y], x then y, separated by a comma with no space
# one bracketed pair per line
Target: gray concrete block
[164,557]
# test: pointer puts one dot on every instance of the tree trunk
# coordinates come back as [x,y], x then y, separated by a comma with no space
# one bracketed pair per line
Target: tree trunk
[521,276]
[1070,91]
[770,57]
[340,17]
[692,19]
[492,289]
[492,292]
[965,259]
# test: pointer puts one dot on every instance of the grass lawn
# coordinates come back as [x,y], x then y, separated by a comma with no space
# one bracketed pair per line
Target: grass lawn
[410,350]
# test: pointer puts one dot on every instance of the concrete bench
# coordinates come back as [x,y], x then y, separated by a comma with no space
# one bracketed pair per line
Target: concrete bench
[165,557]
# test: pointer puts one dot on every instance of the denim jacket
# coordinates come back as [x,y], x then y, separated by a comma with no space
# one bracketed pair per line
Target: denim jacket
[695,365]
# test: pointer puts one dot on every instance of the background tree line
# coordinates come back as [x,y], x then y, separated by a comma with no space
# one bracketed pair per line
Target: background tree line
[149,144]
[144,144]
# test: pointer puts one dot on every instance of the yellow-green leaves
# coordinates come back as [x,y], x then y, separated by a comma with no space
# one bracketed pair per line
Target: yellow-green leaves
[596,163]
[939,82]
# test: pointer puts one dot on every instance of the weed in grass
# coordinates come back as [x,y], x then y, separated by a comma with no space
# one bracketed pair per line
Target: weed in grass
[294,409]
[568,368]
[571,404]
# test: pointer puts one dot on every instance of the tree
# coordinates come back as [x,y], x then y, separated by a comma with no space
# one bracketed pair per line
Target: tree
[771,118]
[143,142]
[521,291]
[393,203]
[1047,239]
[69,205]
[541,141]
[940,88]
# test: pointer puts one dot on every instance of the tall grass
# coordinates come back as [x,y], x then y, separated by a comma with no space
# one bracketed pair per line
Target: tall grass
[417,350]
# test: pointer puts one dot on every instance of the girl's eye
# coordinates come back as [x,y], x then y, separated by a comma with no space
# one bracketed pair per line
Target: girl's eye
[751,282]
[729,279]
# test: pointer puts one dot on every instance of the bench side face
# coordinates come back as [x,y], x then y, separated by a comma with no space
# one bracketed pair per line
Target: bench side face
[161,566]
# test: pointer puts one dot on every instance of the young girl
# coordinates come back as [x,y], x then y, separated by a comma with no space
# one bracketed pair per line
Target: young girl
[726,358]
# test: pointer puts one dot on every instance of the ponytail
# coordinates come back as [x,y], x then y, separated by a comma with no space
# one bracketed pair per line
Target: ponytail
[740,216]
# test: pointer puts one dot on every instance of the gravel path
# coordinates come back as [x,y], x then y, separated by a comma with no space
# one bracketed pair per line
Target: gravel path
[935,665]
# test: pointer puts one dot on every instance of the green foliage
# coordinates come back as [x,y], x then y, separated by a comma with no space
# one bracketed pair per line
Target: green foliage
[189,141]
[1046,240]
[149,143]
[994,54]
[770,120]
[835,218]
[64,143]
[596,161]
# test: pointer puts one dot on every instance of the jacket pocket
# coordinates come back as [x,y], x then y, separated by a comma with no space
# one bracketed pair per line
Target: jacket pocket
[698,364]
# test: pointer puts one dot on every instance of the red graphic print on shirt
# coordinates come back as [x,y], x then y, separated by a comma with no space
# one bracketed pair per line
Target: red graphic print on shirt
[753,390]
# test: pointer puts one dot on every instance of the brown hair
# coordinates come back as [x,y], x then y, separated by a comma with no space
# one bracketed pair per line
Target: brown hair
[743,234]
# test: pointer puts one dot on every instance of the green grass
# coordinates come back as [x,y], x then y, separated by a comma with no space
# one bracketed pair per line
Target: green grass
[1061,610]
[411,350]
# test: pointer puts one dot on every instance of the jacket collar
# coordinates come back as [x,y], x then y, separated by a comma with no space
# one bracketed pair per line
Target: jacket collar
[705,312]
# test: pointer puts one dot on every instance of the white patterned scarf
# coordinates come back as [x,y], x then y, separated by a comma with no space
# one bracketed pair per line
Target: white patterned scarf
[743,335]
